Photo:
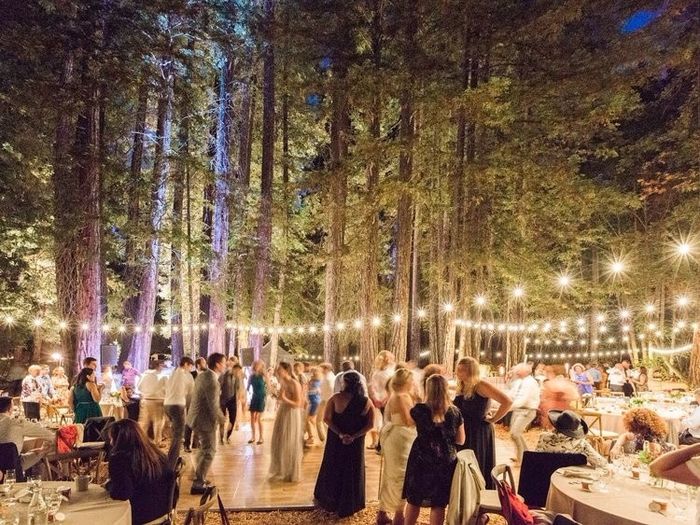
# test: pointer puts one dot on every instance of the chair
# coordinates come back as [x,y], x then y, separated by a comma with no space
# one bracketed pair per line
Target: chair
[536,471]
[596,435]
[489,502]
[565,519]
[197,516]
[95,427]
[10,459]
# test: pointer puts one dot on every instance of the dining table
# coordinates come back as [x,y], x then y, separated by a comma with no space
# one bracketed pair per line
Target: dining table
[625,501]
[90,507]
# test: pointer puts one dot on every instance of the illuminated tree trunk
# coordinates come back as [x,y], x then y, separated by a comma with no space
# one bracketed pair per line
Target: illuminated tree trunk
[76,180]
[140,348]
[694,370]
[368,291]
[264,233]
[217,273]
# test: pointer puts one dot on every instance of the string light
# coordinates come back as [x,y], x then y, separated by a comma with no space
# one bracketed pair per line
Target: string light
[518,292]
[480,300]
[420,313]
[649,308]
[62,325]
[448,307]
[357,324]
[682,301]
[564,280]
[625,314]
[376,321]
[396,318]
[37,323]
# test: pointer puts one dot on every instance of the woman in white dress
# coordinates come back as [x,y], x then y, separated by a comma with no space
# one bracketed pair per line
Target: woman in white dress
[107,399]
[381,373]
[396,437]
[287,444]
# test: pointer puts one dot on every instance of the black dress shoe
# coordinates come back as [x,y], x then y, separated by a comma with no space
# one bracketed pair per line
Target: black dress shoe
[198,489]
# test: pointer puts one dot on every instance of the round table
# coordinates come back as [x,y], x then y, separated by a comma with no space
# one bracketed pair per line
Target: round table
[611,420]
[88,508]
[625,503]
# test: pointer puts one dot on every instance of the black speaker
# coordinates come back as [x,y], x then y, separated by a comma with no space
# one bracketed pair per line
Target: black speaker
[109,354]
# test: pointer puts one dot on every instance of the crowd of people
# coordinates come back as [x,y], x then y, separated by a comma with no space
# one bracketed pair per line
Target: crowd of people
[416,418]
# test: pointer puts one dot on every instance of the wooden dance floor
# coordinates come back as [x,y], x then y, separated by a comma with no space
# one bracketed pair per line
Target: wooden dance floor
[240,474]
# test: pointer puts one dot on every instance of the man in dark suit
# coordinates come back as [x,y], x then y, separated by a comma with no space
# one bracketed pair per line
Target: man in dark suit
[203,416]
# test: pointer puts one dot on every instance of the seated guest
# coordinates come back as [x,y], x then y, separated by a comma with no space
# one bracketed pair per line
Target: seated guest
[681,466]
[138,472]
[581,378]
[691,425]
[15,430]
[569,436]
[60,384]
[642,425]
[641,382]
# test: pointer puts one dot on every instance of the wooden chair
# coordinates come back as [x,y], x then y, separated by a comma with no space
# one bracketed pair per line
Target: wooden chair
[197,516]
[169,517]
[600,439]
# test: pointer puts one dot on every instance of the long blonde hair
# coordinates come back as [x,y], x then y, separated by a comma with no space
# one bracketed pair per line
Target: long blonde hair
[383,360]
[437,397]
[467,386]
[400,379]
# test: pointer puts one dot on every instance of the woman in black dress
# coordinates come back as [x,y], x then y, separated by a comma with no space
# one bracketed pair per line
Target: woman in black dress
[433,456]
[340,485]
[473,399]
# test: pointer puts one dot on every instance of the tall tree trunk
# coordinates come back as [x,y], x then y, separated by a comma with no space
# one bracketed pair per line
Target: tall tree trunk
[287,196]
[404,211]
[220,212]
[180,177]
[264,233]
[335,239]
[694,369]
[404,231]
[415,325]
[133,250]
[76,181]
[368,303]
[140,348]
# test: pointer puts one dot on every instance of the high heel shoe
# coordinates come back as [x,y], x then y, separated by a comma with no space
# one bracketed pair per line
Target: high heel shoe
[250,442]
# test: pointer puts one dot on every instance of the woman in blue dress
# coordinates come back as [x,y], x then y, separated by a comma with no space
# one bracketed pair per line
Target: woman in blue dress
[258,383]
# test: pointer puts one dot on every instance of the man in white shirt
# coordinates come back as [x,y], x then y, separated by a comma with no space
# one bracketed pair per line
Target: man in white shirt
[327,387]
[525,393]
[617,377]
[31,393]
[152,388]
[178,391]
[346,366]
[15,430]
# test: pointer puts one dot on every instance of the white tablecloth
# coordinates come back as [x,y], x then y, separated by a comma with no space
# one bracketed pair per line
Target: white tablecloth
[626,503]
[93,507]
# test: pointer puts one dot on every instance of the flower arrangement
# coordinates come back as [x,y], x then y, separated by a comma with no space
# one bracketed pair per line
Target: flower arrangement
[637,402]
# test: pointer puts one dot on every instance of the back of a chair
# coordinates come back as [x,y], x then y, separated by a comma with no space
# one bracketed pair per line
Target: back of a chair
[9,460]
[94,428]
[175,492]
[514,511]
[197,516]
[536,471]
[502,473]
[565,519]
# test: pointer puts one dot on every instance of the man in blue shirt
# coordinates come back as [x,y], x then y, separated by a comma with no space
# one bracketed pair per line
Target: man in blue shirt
[595,375]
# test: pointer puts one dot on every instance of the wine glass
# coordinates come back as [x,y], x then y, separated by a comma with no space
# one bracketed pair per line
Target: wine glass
[604,477]
[680,498]
[10,480]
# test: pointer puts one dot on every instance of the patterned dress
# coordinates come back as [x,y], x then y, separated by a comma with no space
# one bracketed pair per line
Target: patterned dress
[433,457]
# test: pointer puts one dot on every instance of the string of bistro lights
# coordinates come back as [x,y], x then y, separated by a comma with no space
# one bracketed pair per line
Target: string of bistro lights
[562,334]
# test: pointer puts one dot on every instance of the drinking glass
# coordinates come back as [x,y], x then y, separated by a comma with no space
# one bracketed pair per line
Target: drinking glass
[10,479]
[680,498]
[34,481]
[604,477]
[53,501]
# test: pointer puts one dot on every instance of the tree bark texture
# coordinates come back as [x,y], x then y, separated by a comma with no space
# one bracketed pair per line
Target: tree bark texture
[76,182]
[220,212]
[264,233]
[139,351]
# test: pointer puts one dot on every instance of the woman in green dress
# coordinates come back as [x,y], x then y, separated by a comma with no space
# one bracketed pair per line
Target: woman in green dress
[258,382]
[84,397]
